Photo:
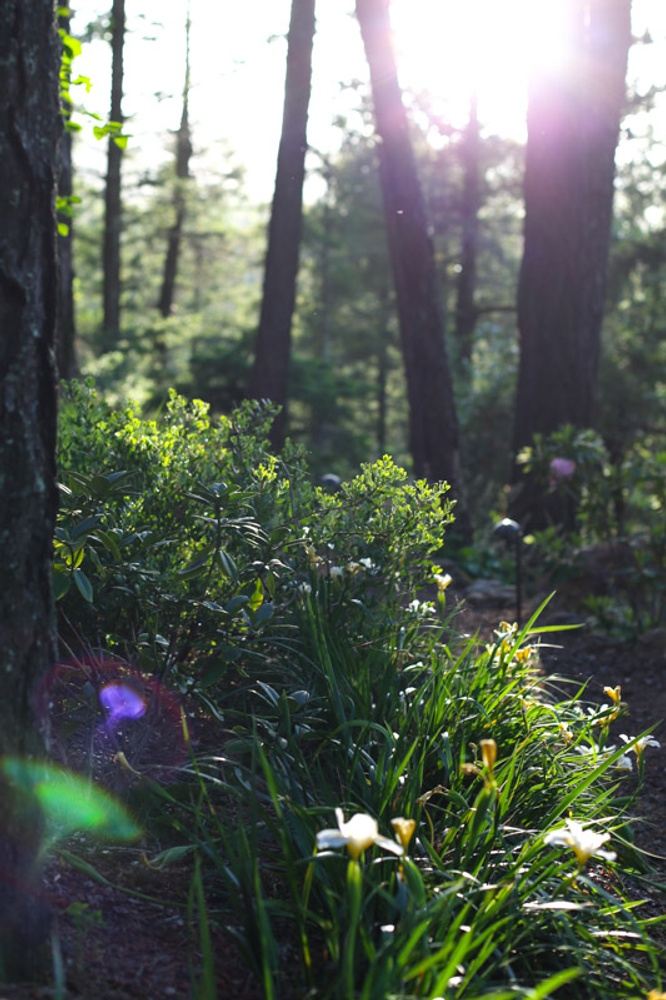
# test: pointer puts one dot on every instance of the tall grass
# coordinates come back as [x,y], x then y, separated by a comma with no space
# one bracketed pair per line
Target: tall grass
[480,906]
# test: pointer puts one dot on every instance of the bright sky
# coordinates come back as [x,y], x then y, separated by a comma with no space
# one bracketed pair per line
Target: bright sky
[238,63]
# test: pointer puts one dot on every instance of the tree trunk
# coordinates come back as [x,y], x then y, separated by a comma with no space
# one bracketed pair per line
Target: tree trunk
[573,124]
[382,370]
[112,195]
[29,130]
[466,312]
[271,364]
[433,427]
[183,155]
[66,328]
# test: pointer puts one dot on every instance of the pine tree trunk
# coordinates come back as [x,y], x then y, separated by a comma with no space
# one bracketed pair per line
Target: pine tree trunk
[384,302]
[466,313]
[112,194]
[433,427]
[29,131]
[573,125]
[183,155]
[270,372]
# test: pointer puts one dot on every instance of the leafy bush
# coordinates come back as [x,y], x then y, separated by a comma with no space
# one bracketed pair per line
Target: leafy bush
[181,539]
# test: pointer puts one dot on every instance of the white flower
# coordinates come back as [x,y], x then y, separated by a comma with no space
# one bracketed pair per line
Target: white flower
[584,843]
[367,563]
[357,834]
[336,572]
[304,588]
[639,744]
[624,763]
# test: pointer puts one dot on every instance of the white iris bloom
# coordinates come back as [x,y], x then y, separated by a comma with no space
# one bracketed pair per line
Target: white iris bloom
[640,745]
[584,843]
[357,835]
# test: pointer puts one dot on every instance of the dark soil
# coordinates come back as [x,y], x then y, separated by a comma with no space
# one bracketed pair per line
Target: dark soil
[118,945]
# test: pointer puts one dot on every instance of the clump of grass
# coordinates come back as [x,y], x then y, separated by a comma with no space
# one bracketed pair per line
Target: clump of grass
[509,885]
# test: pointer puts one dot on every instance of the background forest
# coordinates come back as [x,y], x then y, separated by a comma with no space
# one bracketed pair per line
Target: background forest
[177,303]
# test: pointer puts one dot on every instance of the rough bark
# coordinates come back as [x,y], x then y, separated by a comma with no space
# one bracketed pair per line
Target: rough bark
[433,427]
[29,131]
[466,311]
[183,156]
[270,371]
[573,124]
[113,188]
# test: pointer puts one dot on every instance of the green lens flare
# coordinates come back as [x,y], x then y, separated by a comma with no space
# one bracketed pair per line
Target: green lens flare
[70,804]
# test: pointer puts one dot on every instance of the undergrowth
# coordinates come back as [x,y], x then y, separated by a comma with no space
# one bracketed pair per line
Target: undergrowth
[483,831]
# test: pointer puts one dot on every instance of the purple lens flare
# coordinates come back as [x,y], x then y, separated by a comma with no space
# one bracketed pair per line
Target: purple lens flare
[103,718]
[120,701]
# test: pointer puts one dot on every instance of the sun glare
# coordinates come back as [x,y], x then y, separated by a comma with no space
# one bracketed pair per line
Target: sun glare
[449,50]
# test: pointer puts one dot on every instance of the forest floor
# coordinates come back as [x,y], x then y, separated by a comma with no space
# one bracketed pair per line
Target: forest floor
[117,944]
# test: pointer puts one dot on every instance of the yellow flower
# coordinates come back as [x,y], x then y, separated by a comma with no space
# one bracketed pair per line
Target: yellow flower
[443,581]
[656,995]
[488,753]
[404,830]
[523,655]
[615,693]
[565,732]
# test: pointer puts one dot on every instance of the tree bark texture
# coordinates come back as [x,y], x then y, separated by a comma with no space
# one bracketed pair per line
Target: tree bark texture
[183,156]
[433,427]
[30,126]
[269,377]
[573,123]
[466,311]
[113,188]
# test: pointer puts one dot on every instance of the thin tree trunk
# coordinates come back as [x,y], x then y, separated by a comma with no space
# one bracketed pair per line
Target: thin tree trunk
[466,311]
[573,124]
[321,426]
[29,131]
[113,190]
[183,155]
[382,370]
[433,427]
[270,372]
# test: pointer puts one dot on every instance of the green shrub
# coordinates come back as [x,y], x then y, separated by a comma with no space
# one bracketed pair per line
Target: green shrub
[183,543]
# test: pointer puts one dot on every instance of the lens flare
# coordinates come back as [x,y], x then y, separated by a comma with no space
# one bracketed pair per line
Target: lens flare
[69,803]
[120,701]
[108,721]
